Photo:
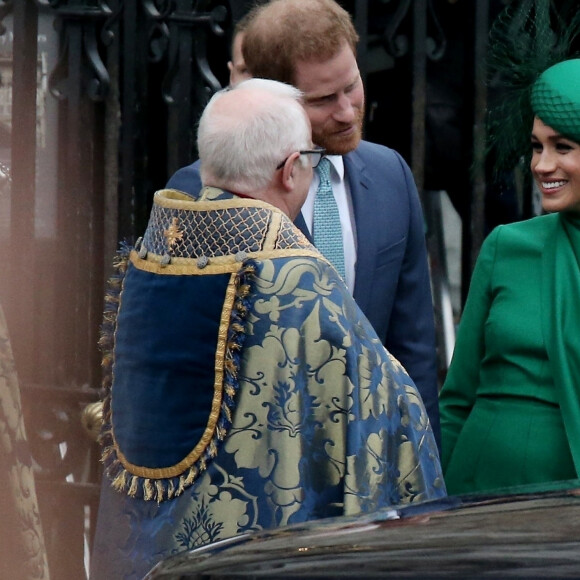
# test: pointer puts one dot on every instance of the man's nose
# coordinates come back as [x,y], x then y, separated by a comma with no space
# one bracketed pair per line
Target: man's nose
[344,112]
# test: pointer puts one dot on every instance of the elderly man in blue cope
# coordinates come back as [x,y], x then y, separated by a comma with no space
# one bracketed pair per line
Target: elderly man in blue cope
[246,390]
[363,210]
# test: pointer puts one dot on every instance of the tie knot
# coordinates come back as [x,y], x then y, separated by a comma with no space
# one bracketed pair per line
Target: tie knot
[323,168]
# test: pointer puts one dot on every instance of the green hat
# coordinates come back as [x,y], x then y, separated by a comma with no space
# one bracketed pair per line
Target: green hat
[556,98]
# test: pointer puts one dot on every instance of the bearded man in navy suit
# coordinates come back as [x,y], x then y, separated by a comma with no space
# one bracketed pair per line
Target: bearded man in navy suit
[312,45]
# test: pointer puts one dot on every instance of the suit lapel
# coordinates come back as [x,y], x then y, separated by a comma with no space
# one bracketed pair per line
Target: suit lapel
[359,184]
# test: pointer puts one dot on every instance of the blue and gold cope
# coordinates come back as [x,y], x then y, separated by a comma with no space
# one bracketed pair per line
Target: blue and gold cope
[245,389]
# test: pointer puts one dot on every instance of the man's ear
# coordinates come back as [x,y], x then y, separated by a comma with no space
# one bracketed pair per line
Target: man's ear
[288,171]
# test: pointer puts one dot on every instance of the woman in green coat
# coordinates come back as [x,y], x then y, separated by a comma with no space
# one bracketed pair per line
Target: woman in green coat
[510,405]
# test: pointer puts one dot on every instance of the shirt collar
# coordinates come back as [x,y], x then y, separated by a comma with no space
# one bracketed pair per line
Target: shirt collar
[338,163]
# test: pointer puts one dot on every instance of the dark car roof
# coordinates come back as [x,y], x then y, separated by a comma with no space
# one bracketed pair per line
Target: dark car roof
[515,535]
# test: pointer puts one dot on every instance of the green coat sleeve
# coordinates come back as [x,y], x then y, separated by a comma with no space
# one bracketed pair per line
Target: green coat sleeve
[459,390]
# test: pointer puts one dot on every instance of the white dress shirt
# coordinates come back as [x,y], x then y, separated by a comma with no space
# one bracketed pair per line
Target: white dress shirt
[342,196]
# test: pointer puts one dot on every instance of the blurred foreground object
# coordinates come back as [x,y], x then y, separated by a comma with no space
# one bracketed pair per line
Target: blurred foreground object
[22,549]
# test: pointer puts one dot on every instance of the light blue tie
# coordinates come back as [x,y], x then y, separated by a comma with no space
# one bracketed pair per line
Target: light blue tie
[327,229]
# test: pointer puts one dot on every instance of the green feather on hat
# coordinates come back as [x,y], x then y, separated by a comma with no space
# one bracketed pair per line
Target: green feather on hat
[528,43]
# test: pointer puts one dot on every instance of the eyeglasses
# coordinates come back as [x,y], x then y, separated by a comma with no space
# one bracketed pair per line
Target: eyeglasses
[314,154]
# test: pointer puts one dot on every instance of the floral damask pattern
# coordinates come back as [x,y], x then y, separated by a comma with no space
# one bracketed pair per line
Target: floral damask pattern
[316,425]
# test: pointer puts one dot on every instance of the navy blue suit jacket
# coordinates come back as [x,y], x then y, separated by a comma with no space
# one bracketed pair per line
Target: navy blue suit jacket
[392,283]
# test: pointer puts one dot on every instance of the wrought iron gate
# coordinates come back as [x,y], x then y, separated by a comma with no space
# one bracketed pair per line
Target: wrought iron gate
[98,105]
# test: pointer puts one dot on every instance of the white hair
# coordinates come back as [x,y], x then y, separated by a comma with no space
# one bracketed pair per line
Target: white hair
[247,130]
